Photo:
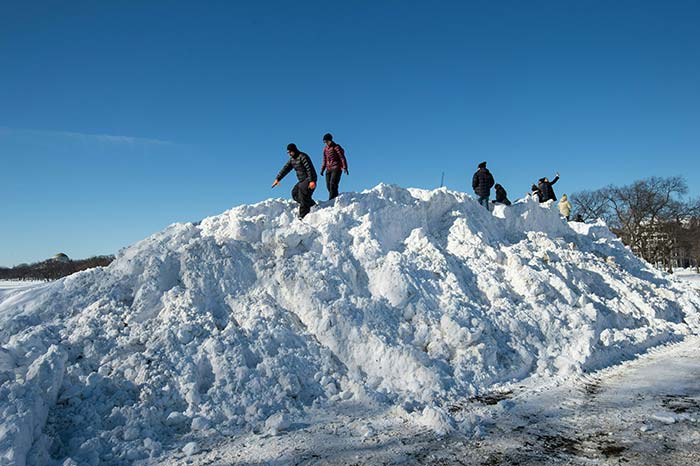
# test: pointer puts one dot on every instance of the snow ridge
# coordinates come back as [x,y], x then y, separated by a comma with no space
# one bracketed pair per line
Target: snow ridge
[389,297]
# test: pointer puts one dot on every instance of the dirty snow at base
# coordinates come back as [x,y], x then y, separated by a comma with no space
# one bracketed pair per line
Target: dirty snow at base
[398,299]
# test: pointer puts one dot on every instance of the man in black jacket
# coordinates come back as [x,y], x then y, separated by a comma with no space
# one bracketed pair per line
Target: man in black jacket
[546,190]
[306,173]
[482,182]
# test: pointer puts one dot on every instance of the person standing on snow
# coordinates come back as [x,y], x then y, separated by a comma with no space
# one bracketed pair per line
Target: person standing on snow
[565,207]
[334,164]
[546,189]
[482,182]
[501,195]
[306,174]
[535,192]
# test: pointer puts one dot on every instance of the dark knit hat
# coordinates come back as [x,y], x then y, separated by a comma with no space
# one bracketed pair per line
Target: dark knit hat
[292,147]
[482,165]
[327,137]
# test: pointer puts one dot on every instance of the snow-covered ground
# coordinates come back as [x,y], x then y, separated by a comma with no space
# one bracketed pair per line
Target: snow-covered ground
[385,316]
[13,289]
[643,411]
[8,286]
[688,275]
[18,284]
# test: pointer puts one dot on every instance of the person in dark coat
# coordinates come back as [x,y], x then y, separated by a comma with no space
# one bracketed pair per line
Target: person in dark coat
[482,182]
[334,164]
[546,189]
[306,174]
[535,191]
[501,195]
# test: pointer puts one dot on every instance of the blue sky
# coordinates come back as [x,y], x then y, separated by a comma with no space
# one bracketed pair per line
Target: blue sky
[119,118]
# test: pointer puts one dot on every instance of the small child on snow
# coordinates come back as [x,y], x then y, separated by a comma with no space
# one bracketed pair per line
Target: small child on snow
[565,207]
[501,195]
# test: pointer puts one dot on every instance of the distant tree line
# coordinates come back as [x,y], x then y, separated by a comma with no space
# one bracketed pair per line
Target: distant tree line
[652,216]
[52,269]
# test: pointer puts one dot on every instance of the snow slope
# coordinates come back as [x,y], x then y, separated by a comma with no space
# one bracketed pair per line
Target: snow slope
[393,297]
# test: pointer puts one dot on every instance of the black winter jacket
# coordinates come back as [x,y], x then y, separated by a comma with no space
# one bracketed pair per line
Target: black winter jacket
[547,190]
[300,162]
[482,182]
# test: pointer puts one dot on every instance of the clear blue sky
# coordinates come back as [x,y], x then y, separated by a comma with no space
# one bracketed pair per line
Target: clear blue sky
[119,118]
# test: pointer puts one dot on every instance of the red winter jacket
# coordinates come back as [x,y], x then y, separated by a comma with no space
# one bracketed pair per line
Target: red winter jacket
[334,158]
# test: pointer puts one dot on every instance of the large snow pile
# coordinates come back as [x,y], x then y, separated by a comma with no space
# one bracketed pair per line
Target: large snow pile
[390,297]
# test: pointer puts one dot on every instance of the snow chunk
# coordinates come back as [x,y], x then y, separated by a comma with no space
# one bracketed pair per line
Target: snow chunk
[7,360]
[435,419]
[277,423]
[25,404]
[663,417]
[199,423]
[190,448]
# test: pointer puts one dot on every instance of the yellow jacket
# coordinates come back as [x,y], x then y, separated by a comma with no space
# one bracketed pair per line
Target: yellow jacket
[564,206]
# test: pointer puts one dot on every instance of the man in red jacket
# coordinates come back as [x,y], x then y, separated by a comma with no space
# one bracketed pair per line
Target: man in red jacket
[334,164]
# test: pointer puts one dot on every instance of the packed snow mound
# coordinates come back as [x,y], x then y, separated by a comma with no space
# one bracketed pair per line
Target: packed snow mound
[388,297]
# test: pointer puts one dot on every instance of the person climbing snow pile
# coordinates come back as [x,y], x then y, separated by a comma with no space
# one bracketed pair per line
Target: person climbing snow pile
[306,174]
[565,207]
[501,195]
[334,164]
[482,182]
[535,193]
[546,190]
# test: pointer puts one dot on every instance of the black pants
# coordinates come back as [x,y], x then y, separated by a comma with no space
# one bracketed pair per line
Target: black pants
[302,194]
[332,182]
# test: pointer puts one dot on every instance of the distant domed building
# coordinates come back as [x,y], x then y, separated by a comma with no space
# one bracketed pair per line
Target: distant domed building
[60,257]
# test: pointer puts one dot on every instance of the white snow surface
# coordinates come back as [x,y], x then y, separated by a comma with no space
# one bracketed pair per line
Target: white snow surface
[398,298]
[11,287]
[689,275]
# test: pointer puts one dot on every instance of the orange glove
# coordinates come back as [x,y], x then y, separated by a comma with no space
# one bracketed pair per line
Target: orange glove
[275,183]
[312,185]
